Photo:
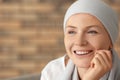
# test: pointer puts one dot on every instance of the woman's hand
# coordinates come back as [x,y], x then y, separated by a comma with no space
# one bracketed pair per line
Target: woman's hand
[101,64]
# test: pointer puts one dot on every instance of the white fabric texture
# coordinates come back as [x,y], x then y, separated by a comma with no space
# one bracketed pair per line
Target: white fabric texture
[53,69]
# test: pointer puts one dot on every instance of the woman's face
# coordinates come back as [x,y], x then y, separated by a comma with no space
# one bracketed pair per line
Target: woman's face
[84,35]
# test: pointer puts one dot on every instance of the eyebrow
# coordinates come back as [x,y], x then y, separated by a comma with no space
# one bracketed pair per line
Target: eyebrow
[93,26]
[90,26]
[69,26]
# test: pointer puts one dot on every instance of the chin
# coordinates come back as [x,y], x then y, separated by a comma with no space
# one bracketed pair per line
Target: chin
[83,64]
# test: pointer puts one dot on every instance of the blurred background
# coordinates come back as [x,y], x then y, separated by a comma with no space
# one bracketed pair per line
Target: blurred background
[31,34]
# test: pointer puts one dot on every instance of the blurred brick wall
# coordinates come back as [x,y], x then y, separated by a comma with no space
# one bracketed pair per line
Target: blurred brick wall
[31,34]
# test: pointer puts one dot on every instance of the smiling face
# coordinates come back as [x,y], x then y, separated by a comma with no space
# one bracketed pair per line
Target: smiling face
[84,35]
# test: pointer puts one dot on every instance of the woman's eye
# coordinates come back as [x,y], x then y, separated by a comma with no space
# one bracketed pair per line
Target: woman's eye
[71,32]
[92,32]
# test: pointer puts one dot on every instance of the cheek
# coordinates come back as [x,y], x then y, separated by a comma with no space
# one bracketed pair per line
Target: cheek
[68,43]
[100,43]
[65,42]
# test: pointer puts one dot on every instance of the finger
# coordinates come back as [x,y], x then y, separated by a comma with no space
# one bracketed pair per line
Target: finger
[109,57]
[106,58]
[109,54]
[96,62]
[101,59]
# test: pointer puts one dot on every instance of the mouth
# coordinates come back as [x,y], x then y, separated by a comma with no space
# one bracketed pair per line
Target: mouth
[80,52]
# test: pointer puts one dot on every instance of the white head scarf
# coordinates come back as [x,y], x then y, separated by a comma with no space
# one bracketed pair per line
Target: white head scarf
[98,9]
[109,19]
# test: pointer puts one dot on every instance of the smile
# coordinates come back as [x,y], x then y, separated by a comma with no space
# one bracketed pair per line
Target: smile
[82,52]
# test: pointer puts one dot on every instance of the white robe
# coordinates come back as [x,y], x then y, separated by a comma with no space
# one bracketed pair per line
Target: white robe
[53,69]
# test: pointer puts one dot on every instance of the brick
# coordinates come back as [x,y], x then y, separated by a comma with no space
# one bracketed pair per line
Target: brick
[40,66]
[19,1]
[25,49]
[8,40]
[10,1]
[44,22]
[6,49]
[24,66]
[44,41]
[44,7]
[4,33]
[7,57]
[116,7]
[8,73]
[8,25]
[25,33]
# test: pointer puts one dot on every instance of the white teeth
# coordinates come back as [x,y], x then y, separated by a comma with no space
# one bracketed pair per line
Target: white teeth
[81,52]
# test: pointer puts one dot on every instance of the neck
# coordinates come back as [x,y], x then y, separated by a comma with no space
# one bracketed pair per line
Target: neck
[82,71]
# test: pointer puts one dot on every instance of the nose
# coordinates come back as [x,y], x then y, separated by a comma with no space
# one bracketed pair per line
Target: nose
[81,40]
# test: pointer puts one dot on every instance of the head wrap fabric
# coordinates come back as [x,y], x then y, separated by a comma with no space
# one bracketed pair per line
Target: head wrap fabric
[109,19]
[98,9]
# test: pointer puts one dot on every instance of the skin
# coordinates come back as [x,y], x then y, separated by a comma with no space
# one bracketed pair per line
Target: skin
[85,33]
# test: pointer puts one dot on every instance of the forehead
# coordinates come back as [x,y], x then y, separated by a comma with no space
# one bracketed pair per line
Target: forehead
[83,19]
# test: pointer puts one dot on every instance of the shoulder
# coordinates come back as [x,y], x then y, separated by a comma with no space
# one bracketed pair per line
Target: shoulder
[59,62]
[53,68]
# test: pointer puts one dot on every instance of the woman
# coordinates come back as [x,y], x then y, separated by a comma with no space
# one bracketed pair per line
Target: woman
[90,31]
